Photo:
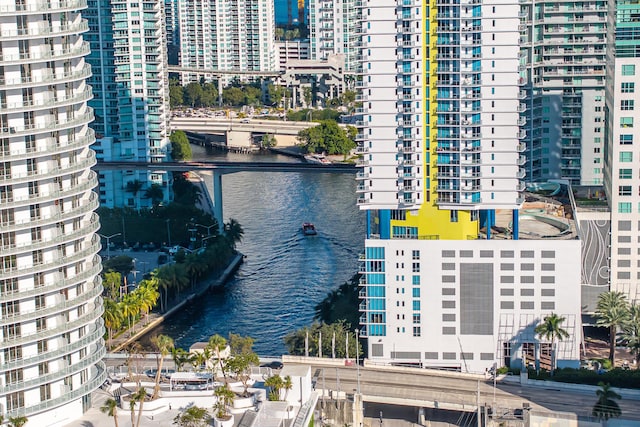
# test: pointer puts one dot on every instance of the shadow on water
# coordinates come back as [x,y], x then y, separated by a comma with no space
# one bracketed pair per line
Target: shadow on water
[285,274]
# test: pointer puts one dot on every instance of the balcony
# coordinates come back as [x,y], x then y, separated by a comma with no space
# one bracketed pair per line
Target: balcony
[45,31]
[60,54]
[42,7]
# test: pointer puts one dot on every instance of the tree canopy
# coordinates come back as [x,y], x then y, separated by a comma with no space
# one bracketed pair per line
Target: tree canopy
[180,147]
[328,137]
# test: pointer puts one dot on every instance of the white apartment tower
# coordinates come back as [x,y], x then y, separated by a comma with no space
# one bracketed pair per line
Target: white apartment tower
[563,53]
[51,345]
[622,160]
[233,35]
[448,279]
[131,98]
[332,30]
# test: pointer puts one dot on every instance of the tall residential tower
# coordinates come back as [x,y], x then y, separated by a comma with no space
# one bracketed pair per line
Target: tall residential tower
[51,339]
[332,30]
[131,98]
[446,280]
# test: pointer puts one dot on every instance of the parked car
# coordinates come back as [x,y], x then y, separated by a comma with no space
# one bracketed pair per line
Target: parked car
[276,364]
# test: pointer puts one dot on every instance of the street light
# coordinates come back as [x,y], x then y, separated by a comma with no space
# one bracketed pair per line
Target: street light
[358,358]
[208,227]
[109,241]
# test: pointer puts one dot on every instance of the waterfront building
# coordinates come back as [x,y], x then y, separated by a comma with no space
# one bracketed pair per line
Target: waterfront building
[233,35]
[131,98]
[563,55]
[51,338]
[332,30]
[622,161]
[448,277]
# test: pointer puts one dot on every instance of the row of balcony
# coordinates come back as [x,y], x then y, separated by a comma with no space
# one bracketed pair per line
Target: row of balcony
[55,194]
[86,228]
[58,282]
[93,312]
[45,80]
[94,335]
[22,8]
[56,55]
[47,126]
[45,31]
[41,104]
[47,150]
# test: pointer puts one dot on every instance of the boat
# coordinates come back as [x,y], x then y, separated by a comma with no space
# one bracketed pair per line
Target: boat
[309,229]
[317,159]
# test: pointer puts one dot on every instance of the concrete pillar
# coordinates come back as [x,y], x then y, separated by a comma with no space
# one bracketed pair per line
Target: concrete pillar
[217,199]
[515,225]
[358,410]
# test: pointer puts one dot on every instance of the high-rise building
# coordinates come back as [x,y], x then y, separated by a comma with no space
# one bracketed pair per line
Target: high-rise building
[131,98]
[332,30]
[234,35]
[563,52]
[622,161]
[51,338]
[448,277]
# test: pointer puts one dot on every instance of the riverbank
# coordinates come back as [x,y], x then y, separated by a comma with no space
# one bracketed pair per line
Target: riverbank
[155,319]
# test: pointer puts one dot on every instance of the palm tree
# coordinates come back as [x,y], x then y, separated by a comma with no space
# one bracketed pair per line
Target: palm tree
[287,385]
[132,408]
[130,307]
[631,331]
[275,384]
[154,193]
[217,344]
[17,421]
[140,396]
[234,232]
[180,358]
[612,311]
[193,416]
[148,296]
[606,407]
[164,344]
[112,316]
[110,408]
[225,398]
[551,329]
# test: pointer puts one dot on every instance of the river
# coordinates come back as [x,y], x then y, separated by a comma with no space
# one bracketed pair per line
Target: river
[285,274]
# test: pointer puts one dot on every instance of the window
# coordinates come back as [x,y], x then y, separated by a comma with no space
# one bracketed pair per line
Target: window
[625,174]
[626,105]
[626,156]
[628,70]
[626,139]
[624,190]
[416,331]
[626,122]
[416,318]
[628,87]
[624,207]
[416,304]
[415,267]
[416,291]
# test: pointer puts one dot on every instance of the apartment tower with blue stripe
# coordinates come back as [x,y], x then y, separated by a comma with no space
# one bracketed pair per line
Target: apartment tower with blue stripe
[460,263]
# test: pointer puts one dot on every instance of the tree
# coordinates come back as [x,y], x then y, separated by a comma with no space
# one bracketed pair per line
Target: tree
[180,147]
[134,186]
[112,316]
[154,193]
[551,330]
[110,408]
[122,264]
[327,137]
[275,384]
[252,95]
[193,94]
[234,232]
[296,341]
[217,344]
[275,93]
[240,365]
[341,304]
[176,96]
[233,96]
[111,281]
[268,141]
[612,311]
[193,416]
[180,358]
[140,396]
[164,344]
[224,398]
[18,421]
[606,407]
[209,95]
[631,331]
[287,385]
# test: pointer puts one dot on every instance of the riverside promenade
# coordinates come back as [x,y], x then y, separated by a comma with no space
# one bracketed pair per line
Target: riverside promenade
[154,319]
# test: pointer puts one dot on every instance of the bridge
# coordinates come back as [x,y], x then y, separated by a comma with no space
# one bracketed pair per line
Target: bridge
[220,168]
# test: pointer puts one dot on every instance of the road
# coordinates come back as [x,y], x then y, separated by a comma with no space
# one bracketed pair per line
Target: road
[420,389]
[215,125]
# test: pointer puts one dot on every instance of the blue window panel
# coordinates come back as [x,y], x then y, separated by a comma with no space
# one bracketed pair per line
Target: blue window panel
[377,330]
[416,305]
[376,291]
[415,280]
[416,292]
[375,253]
[375,279]
[377,304]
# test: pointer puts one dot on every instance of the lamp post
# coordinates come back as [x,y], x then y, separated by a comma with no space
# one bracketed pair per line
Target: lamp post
[208,227]
[109,242]
[358,359]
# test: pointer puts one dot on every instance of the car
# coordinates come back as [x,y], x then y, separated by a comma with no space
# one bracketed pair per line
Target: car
[175,249]
[276,364]
[244,121]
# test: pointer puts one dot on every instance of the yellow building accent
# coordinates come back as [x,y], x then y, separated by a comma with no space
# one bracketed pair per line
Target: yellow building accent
[430,220]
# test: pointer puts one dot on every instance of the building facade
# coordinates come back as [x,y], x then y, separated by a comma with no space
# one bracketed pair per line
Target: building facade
[233,35]
[622,162]
[332,30]
[51,338]
[131,98]
[442,140]
[563,53]
[289,50]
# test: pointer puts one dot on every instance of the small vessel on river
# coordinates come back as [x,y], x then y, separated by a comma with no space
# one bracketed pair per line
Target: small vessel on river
[318,159]
[309,229]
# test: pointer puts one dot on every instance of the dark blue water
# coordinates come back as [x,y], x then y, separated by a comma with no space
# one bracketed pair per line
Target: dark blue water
[285,274]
